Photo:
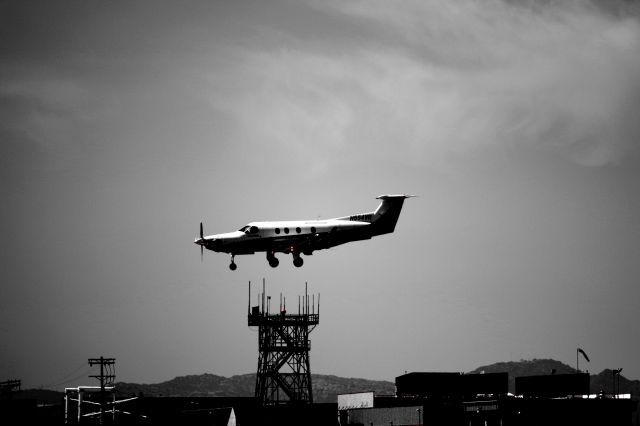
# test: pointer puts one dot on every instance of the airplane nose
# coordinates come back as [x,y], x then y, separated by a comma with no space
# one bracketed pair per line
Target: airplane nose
[210,243]
[204,243]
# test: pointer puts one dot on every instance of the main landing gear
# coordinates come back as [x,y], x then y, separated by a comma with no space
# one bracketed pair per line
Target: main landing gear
[274,262]
[272,259]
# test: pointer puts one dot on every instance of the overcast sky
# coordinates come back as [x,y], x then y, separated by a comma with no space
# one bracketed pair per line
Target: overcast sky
[124,124]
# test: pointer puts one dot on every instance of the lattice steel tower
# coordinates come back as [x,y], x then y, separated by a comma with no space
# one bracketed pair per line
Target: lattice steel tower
[284,373]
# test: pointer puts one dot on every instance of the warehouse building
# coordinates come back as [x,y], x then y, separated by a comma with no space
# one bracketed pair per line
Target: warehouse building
[482,399]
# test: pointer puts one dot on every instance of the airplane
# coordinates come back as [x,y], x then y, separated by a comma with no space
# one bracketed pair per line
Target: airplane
[304,236]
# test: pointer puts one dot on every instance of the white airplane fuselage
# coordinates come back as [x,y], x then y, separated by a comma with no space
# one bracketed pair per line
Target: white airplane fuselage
[304,236]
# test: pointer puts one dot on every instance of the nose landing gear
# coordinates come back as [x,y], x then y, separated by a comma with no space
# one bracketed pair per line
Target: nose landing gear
[233,265]
[297,260]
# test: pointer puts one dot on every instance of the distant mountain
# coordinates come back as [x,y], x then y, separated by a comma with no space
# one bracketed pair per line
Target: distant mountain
[327,387]
[194,385]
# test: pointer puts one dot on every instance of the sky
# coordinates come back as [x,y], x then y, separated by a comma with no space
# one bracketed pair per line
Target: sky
[123,125]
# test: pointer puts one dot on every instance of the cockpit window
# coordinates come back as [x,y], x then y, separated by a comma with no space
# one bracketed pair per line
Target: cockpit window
[244,228]
[253,229]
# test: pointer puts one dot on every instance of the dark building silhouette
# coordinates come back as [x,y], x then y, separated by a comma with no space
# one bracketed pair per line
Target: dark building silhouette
[482,399]
[553,386]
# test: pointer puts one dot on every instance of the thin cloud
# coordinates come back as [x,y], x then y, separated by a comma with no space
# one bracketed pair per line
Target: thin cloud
[446,79]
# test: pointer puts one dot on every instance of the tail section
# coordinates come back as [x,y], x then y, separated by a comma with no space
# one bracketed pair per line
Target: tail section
[386,215]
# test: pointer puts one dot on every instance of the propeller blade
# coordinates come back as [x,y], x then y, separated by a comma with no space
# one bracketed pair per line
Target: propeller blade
[201,242]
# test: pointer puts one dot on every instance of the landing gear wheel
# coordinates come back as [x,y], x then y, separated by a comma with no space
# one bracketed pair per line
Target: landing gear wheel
[273,262]
[233,266]
[297,262]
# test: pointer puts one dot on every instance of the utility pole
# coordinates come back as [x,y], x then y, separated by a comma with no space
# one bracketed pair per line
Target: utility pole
[106,378]
[8,387]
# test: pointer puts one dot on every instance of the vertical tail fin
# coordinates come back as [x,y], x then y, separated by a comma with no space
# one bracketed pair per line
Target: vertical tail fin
[386,215]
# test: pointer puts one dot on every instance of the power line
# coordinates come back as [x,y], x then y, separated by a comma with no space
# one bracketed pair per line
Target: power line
[80,375]
[67,377]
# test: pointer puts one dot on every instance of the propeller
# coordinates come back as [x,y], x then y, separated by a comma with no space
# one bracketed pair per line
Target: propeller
[201,242]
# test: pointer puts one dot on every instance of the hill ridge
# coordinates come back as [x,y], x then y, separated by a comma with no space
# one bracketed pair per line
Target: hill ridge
[326,387]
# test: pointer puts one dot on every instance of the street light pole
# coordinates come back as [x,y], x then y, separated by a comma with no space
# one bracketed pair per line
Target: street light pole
[616,375]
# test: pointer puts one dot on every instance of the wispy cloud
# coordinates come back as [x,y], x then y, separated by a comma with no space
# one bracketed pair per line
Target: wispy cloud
[443,78]
[411,82]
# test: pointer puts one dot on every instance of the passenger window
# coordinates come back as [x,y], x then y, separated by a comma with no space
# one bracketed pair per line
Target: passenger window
[277,230]
[313,229]
[298,230]
[286,230]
